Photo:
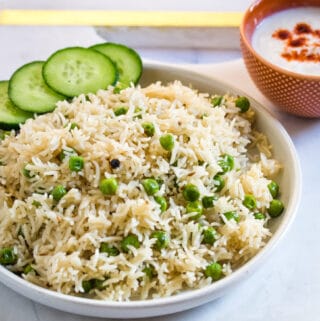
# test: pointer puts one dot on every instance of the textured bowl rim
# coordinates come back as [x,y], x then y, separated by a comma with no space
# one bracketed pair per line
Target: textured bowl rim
[275,67]
[25,288]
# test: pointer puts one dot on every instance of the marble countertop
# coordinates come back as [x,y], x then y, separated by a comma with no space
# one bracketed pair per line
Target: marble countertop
[287,287]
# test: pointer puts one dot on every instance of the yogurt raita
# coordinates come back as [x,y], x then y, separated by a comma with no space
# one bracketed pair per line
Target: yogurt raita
[290,39]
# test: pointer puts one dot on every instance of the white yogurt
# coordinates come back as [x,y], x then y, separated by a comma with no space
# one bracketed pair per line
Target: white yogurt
[278,51]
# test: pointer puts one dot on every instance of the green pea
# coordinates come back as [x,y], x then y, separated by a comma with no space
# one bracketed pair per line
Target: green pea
[149,129]
[191,192]
[130,240]
[58,192]
[64,153]
[162,239]
[4,134]
[108,186]
[195,207]
[110,250]
[120,111]
[162,202]
[151,186]
[213,271]
[232,215]
[76,163]
[28,269]
[87,285]
[259,216]
[7,256]
[216,101]
[208,201]
[149,272]
[27,173]
[219,182]
[273,189]
[243,103]
[209,236]
[276,207]
[138,113]
[249,202]
[36,204]
[91,284]
[226,163]
[73,126]
[98,284]
[167,142]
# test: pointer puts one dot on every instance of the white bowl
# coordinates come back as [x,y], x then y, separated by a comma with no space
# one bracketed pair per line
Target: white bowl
[290,182]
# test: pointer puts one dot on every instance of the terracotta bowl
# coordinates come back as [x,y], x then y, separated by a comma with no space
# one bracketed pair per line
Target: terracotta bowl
[291,92]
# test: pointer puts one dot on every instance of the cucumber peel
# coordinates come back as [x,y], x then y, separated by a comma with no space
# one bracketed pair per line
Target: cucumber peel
[29,92]
[127,61]
[10,115]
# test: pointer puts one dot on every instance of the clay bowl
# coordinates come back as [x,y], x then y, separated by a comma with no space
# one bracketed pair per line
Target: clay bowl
[289,91]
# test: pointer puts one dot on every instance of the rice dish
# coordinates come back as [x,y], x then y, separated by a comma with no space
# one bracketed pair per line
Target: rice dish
[61,241]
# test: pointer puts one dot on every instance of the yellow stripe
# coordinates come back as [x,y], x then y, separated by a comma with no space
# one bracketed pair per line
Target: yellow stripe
[120,18]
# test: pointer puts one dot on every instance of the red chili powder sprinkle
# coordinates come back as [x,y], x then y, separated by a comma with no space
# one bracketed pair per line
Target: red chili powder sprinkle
[298,42]
[282,34]
[293,39]
[301,56]
[302,28]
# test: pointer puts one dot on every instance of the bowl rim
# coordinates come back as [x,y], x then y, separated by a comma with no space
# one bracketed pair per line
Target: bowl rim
[15,282]
[271,65]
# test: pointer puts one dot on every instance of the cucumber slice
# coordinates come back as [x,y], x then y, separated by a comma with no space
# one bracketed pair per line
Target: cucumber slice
[75,70]
[10,115]
[127,61]
[29,92]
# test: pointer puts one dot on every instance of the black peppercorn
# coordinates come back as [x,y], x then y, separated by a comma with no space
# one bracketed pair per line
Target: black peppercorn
[114,163]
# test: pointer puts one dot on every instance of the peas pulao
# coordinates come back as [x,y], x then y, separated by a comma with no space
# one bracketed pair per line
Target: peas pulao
[136,194]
